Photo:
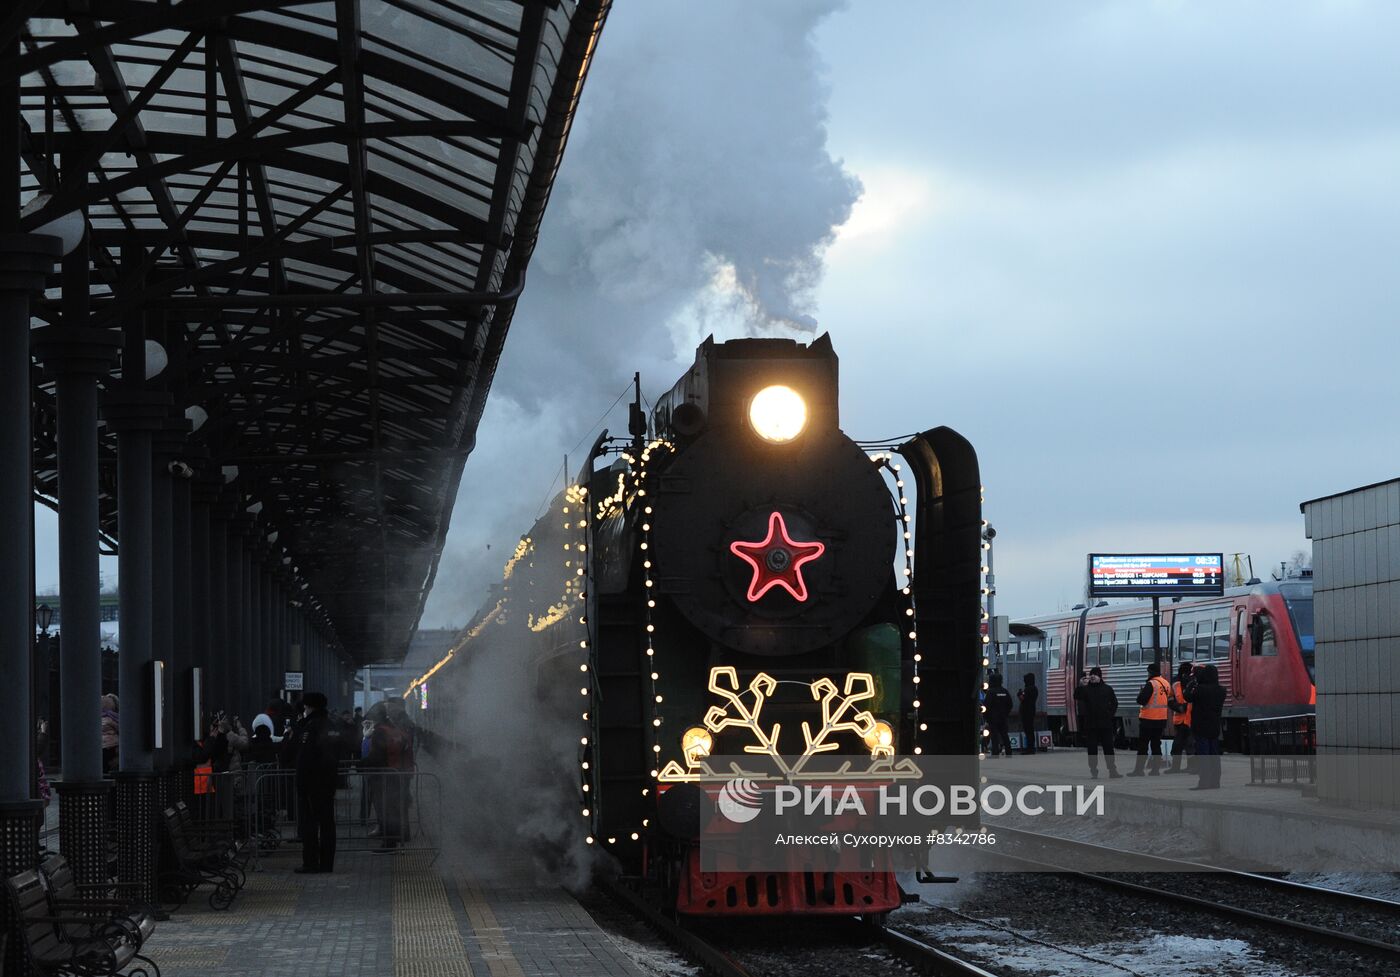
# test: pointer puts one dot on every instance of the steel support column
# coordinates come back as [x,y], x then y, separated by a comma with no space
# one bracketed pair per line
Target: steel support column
[182,646]
[199,618]
[266,612]
[24,261]
[235,660]
[223,690]
[77,357]
[162,593]
[253,627]
[134,415]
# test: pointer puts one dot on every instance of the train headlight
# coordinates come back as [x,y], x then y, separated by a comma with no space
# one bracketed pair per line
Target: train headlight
[778,414]
[696,743]
[880,739]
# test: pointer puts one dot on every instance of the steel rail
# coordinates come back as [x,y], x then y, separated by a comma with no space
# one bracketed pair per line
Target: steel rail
[926,958]
[1349,941]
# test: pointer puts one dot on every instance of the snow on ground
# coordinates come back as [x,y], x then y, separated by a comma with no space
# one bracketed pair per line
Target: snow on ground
[657,960]
[1159,955]
[1383,885]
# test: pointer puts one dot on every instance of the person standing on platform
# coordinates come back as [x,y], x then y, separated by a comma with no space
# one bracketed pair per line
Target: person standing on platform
[1207,698]
[111,732]
[318,751]
[389,764]
[998,713]
[1097,703]
[1181,720]
[1080,722]
[1152,721]
[1029,696]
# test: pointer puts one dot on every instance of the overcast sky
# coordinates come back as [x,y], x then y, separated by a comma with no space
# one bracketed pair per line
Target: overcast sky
[1142,254]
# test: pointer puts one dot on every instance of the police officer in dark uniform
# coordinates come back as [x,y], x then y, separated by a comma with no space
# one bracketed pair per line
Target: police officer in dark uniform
[998,705]
[319,747]
[1028,695]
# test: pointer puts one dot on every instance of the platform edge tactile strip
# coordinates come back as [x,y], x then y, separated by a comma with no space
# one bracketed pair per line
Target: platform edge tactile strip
[490,936]
[427,942]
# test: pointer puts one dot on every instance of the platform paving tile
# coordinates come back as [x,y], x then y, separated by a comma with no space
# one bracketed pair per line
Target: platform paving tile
[396,916]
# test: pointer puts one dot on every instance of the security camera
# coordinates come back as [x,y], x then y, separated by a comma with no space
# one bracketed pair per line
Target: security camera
[181,470]
[989,533]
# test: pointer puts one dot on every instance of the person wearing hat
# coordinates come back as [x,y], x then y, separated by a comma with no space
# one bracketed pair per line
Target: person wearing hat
[1181,719]
[998,706]
[1029,696]
[318,750]
[1098,703]
[1207,698]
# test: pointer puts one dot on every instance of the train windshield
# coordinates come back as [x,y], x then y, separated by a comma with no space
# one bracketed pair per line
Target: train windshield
[1300,610]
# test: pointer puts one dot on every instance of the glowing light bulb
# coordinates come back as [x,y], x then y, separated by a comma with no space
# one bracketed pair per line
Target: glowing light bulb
[778,414]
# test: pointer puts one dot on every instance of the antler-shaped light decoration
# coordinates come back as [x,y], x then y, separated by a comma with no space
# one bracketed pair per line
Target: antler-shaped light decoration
[761,686]
[839,713]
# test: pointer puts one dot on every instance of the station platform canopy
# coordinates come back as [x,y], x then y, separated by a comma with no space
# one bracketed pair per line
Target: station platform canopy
[323,213]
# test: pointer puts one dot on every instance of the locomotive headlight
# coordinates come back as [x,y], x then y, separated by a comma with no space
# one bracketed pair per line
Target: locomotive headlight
[880,739]
[696,743]
[778,414]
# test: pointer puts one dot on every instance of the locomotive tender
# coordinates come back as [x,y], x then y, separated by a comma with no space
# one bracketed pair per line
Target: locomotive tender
[739,545]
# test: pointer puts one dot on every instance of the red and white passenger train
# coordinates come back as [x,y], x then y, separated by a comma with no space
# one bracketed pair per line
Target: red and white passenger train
[1259,637]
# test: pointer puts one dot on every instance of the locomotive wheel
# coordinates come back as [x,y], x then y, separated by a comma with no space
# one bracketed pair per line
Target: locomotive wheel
[875,921]
[670,882]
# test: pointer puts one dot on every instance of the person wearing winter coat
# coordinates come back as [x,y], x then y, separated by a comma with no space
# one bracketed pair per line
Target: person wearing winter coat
[1096,701]
[263,743]
[1207,698]
[111,732]
[1029,696]
[320,746]
[998,712]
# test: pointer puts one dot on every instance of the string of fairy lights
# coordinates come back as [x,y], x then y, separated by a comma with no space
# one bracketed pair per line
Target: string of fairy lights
[885,460]
[648,616]
[985,630]
[576,592]
[635,494]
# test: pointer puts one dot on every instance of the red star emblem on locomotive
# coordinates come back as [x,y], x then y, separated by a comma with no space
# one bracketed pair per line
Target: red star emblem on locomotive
[777,560]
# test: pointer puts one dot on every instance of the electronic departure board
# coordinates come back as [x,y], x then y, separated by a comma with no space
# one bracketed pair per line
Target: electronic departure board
[1156,574]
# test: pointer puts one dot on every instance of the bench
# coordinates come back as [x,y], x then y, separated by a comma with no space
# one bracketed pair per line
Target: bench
[192,866]
[215,840]
[102,900]
[76,945]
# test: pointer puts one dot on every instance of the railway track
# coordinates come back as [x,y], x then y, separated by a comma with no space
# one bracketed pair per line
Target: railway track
[849,947]
[1276,903]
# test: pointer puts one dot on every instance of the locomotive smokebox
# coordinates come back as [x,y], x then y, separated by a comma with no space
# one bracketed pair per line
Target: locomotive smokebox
[773,531]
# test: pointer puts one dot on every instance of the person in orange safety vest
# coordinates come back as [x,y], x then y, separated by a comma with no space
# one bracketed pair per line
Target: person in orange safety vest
[1152,721]
[1181,719]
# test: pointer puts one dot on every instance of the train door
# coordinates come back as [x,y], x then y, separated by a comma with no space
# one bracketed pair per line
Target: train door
[1238,655]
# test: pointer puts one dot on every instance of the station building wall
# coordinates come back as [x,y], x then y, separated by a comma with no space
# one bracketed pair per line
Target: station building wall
[1356,603]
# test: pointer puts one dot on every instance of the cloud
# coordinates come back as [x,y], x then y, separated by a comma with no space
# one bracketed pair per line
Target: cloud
[697,196]
[895,200]
[1042,569]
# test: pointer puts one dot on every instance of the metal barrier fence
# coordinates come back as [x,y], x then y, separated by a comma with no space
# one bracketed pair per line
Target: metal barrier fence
[374,808]
[1283,750]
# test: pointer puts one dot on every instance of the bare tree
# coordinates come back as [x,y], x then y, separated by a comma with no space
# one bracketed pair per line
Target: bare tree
[1300,560]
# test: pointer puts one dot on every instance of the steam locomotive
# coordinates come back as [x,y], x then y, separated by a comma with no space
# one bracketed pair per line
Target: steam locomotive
[739,545]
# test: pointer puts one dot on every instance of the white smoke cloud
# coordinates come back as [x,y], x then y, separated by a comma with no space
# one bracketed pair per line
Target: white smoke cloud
[697,196]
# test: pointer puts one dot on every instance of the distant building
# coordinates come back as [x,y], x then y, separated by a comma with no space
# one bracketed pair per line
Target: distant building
[1356,593]
[427,646]
[107,616]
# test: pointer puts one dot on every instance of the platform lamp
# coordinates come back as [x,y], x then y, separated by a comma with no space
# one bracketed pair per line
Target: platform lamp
[69,228]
